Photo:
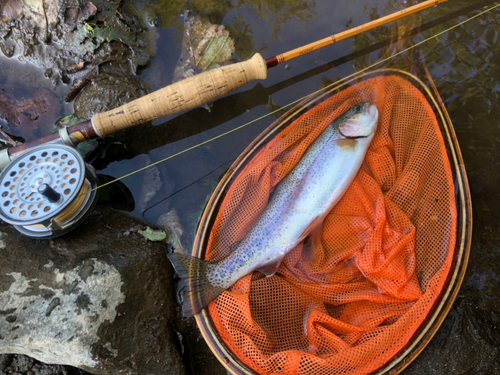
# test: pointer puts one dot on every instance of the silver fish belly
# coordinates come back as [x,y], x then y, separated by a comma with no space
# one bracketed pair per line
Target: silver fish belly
[298,204]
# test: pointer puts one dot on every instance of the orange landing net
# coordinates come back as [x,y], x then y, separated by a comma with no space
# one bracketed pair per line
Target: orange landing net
[351,296]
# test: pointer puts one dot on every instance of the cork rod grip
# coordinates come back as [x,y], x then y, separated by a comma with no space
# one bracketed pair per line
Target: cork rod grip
[182,95]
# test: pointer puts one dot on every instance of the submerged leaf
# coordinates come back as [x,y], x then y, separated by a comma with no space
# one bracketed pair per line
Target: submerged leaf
[10,9]
[205,46]
[153,235]
[14,111]
[74,15]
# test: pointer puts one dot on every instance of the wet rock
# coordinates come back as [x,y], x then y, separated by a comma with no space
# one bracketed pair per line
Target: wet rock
[94,299]
[468,342]
[71,40]
[21,364]
[106,91]
[5,361]
[153,234]
[198,358]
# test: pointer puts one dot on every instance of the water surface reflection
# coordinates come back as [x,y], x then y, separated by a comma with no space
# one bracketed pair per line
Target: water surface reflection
[463,64]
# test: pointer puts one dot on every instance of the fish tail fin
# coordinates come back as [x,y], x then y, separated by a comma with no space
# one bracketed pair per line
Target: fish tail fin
[198,291]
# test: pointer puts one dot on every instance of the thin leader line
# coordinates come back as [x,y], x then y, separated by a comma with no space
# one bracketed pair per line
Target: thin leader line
[298,100]
[183,188]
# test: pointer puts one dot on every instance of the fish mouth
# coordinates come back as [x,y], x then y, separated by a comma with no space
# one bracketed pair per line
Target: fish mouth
[353,130]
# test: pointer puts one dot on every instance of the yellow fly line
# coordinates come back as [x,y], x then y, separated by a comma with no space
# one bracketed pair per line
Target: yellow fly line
[296,101]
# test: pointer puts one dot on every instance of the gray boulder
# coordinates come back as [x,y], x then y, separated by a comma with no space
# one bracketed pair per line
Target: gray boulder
[100,299]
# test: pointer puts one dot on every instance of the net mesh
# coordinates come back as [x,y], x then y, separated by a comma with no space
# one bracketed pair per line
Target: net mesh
[350,296]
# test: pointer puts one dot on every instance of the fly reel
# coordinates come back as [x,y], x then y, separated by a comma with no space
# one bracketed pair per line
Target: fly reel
[47,191]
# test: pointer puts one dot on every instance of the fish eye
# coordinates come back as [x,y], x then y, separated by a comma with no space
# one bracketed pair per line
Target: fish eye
[357,109]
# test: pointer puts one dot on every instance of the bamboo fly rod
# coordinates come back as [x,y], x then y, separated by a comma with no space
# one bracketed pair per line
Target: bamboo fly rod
[194,91]
[287,56]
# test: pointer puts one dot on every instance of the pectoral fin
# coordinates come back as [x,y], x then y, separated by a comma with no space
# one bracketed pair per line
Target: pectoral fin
[313,225]
[346,143]
[270,268]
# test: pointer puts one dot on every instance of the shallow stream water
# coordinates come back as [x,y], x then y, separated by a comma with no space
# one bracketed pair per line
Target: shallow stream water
[464,64]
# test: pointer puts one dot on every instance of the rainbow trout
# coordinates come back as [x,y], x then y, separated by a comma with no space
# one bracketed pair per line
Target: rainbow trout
[298,204]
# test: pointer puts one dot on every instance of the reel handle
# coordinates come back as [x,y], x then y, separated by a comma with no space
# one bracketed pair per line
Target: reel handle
[180,96]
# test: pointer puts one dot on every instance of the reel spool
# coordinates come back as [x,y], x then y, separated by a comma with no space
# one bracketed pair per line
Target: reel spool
[44,193]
